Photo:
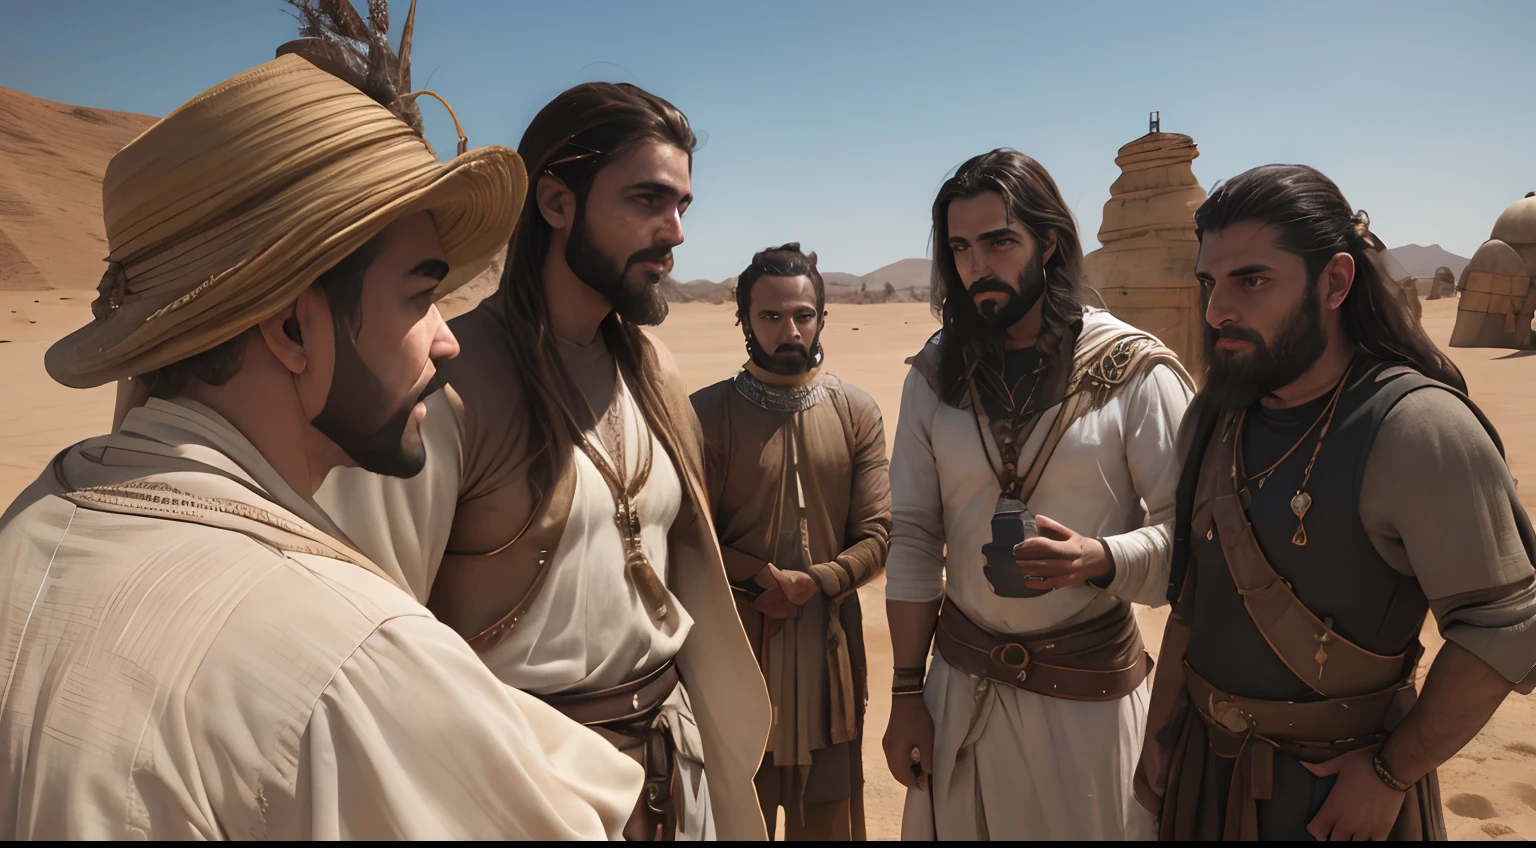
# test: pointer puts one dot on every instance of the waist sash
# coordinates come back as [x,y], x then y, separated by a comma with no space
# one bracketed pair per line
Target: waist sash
[1099,660]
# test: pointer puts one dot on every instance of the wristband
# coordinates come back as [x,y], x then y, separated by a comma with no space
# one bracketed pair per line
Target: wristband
[1386,776]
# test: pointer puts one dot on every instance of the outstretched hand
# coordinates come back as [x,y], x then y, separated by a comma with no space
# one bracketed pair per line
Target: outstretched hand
[1060,556]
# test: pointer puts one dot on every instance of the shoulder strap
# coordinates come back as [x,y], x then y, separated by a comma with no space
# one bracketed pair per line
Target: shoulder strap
[1331,665]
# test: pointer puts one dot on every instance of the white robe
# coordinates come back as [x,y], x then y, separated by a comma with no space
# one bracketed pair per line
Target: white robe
[213,674]
[1011,764]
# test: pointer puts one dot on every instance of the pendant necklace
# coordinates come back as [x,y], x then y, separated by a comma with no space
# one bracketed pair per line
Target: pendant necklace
[637,567]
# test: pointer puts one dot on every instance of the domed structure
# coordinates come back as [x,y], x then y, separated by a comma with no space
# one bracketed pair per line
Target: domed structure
[1443,285]
[1498,287]
[1145,271]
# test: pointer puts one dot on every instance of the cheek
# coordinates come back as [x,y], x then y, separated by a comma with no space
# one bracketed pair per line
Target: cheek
[396,352]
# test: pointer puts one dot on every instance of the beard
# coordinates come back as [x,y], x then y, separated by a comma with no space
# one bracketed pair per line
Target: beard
[358,417]
[998,316]
[789,360]
[640,302]
[1237,379]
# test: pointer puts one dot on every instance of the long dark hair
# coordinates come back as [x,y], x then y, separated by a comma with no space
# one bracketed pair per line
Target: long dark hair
[573,138]
[1034,201]
[1316,223]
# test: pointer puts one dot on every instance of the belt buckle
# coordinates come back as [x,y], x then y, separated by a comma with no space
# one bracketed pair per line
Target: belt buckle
[1230,716]
[1000,655]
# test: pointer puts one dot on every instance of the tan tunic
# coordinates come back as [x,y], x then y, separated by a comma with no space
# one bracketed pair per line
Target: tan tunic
[192,654]
[474,532]
[815,664]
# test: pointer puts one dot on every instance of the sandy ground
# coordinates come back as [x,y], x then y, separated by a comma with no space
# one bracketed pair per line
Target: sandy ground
[1489,789]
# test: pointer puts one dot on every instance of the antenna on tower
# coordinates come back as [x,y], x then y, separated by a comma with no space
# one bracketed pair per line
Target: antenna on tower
[1154,121]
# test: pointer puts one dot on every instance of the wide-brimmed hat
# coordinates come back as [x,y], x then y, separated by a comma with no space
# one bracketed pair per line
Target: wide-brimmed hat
[223,212]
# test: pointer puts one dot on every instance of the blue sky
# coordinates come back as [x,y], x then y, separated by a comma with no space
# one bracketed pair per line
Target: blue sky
[834,122]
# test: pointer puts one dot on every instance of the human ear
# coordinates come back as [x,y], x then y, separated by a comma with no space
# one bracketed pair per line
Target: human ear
[285,332]
[1050,247]
[1337,278]
[555,201]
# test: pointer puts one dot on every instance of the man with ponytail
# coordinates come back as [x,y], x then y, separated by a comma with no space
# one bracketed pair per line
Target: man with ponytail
[1338,485]
[561,524]
[801,497]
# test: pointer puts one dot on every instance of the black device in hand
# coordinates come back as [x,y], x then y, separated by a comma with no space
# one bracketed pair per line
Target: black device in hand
[1012,523]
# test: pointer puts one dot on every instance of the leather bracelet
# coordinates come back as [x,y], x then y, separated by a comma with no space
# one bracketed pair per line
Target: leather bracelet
[1386,776]
[895,691]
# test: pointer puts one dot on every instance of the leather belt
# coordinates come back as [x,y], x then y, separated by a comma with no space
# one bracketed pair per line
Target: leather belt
[619,705]
[1099,660]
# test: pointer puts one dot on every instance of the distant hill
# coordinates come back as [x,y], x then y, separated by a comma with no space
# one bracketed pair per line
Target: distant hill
[1421,261]
[52,159]
[908,281]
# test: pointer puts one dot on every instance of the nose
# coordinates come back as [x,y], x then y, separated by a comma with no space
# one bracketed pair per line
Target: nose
[672,230]
[1219,308]
[973,267]
[444,344]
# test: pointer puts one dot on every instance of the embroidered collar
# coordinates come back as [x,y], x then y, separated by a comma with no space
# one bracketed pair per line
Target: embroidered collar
[784,394]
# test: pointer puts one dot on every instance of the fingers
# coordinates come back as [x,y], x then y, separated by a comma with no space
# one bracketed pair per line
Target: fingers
[1043,548]
[1324,768]
[1052,529]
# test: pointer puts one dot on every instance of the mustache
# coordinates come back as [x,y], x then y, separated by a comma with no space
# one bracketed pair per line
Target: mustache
[1237,333]
[989,284]
[439,379]
[659,253]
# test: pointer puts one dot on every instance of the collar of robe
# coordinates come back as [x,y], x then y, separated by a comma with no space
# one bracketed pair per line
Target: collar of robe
[780,392]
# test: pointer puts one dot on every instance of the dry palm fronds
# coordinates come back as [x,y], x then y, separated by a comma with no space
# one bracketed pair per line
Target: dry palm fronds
[337,40]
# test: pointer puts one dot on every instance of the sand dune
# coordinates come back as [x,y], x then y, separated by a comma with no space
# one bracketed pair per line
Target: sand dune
[52,158]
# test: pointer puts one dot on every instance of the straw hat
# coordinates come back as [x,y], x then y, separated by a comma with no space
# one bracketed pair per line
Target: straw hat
[223,212]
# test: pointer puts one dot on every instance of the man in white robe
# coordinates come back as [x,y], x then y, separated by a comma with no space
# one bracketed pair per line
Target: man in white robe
[1073,413]
[192,648]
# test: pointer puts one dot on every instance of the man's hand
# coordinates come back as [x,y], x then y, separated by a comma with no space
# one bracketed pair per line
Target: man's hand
[798,586]
[775,609]
[911,726]
[1359,806]
[1060,556]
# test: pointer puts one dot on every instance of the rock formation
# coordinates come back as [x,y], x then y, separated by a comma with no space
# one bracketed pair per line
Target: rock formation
[1145,272]
[1498,287]
[1443,285]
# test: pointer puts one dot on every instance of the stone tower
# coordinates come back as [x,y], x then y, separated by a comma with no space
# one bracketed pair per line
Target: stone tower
[1498,287]
[1145,272]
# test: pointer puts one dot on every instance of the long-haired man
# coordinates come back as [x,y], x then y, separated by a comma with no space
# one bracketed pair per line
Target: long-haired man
[562,524]
[1338,485]
[1026,414]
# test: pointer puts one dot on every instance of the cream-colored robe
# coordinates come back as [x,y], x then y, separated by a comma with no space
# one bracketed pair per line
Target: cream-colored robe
[1011,764]
[196,655]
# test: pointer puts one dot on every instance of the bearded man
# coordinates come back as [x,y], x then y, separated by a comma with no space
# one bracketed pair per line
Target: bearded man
[800,492]
[1284,703]
[562,524]
[1027,724]
[194,650]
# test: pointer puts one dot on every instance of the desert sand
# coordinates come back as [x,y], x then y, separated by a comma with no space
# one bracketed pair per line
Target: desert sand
[1489,789]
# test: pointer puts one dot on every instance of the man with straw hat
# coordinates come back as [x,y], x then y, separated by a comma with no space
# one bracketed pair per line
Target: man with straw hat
[562,524]
[193,649]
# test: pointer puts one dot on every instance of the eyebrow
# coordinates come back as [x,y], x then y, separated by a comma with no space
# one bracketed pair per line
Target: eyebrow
[988,235]
[1248,270]
[436,269]
[659,188]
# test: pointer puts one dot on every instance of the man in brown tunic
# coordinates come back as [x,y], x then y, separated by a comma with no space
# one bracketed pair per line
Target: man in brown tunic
[1338,485]
[561,523]
[800,490]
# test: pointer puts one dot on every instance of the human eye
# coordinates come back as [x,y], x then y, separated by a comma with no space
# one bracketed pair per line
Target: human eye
[1253,282]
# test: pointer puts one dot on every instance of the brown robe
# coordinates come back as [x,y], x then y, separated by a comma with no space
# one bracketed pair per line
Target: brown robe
[818,677]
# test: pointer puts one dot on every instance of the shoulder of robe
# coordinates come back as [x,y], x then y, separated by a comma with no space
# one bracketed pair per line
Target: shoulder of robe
[862,403]
[926,362]
[712,395]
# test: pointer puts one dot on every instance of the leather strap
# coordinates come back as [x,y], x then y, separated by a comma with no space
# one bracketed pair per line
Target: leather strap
[1100,660]
[618,705]
[1330,664]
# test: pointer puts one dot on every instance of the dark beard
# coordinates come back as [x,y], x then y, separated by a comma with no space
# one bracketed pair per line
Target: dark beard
[997,318]
[645,304]
[355,418]
[789,360]
[1236,381]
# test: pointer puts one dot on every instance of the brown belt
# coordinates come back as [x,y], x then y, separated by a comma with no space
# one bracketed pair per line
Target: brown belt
[620,705]
[1250,731]
[1099,660]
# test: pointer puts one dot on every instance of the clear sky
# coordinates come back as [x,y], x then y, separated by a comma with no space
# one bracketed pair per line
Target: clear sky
[834,122]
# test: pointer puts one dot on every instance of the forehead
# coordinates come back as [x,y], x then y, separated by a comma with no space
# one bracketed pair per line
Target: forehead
[1239,245]
[782,293]
[969,217]
[648,162]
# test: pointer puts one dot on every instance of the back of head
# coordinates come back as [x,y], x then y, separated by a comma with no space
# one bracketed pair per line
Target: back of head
[1033,200]
[1315,222]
